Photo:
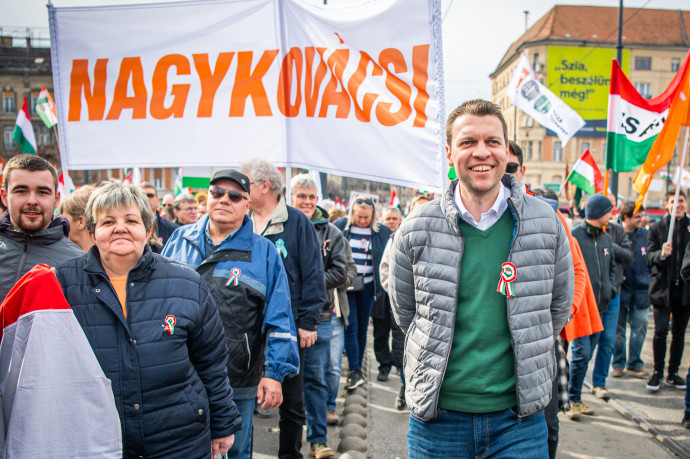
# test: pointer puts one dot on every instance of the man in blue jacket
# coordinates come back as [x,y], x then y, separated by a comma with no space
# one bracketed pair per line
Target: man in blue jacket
[248,283]
[298,246]
[634,307]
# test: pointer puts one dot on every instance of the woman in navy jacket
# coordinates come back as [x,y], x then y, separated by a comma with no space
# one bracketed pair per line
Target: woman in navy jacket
[155,331]
[367,240]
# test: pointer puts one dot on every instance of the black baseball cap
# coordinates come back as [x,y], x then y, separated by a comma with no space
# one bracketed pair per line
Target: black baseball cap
[234,175]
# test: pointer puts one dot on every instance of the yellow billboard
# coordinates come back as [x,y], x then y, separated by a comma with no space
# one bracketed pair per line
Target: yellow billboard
[581,77]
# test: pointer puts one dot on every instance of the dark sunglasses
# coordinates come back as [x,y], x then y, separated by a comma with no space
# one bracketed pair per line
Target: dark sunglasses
[366,201]
[234,195]
[512,168]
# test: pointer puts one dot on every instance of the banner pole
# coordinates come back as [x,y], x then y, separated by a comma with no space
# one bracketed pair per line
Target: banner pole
[679,172]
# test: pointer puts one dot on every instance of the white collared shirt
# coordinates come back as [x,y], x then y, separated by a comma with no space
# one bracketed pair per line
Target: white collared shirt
[489,217]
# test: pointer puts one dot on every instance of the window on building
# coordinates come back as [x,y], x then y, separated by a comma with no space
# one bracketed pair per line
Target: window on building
[535,63]
[34,98]
[584,146]
[644,89]
[556,179]
[530,152]
[523,145]
[557,152]
[675,64]
[523,120]
[538,150]
[643,63]
[530,121]
[604,152]
[45,135]
[8,140]
[8,102]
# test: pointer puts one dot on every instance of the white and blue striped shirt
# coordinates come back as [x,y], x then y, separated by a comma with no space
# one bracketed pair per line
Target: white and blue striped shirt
[360,243]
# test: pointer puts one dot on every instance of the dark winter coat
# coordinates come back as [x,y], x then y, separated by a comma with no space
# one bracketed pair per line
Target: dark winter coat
[622,252]
[666,273]
[19,252]
[298,246]
[636,284]
[597,251]
[334,258]
[170,383]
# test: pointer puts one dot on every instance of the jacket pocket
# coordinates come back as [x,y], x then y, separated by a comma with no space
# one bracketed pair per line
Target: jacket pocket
[198,405]
[240,353]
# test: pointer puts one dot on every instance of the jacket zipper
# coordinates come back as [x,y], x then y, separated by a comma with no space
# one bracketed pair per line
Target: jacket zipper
[512,342]
[450,348]
[22,258]
[601,280]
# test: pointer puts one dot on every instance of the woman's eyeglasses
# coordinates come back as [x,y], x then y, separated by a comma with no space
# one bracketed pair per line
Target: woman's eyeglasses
[235,196]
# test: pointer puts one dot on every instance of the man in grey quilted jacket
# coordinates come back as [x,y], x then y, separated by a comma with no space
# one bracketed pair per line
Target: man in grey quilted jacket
[482,283]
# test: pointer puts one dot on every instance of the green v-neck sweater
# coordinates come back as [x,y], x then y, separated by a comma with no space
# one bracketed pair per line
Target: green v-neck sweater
[480,376]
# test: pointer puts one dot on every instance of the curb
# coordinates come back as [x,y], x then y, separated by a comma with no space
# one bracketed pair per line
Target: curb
[354,441]
[646,426]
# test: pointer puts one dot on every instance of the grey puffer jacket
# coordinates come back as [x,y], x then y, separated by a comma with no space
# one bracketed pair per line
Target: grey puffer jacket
[19,252]
[425,271]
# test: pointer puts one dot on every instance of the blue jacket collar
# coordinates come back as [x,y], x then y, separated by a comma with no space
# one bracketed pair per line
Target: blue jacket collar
[242,240]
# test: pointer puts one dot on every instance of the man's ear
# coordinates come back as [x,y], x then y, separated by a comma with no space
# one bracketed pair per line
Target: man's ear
[450,161]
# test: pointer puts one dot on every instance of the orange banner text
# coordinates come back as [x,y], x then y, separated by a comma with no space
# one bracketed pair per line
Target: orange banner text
[303,72]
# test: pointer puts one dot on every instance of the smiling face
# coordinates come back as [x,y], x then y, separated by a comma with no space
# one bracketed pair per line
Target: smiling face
[305,200]
[30,198]
[479,153]
[120,232]
[222,211]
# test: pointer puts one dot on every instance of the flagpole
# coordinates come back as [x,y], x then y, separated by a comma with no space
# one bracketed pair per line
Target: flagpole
[679,172]
[613,182]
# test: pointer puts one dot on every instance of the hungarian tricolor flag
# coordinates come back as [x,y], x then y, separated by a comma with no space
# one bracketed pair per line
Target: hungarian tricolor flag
[65,185]
[633,121]
[586,175]
[45,107]
[395,202]
[24,132]
[55,398]
[662,149]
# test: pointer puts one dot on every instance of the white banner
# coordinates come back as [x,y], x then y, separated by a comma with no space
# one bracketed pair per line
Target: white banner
[354,91]
[535,99]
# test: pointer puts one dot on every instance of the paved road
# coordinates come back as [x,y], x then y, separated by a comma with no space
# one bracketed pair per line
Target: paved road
[608,434]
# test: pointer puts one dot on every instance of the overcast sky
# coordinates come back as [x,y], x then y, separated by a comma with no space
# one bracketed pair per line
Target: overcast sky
[476,34]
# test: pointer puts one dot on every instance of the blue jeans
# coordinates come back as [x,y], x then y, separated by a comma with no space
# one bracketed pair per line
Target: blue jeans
[638,319]
[602,363]
[358,322]
[336,361]
[316,360]
[581,350]
[242,447]
[500,434]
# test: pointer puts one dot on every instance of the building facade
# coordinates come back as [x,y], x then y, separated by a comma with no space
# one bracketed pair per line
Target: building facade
[570,49]
[25,66]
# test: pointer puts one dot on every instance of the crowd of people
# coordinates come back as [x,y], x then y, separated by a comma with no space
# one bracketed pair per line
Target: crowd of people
[205,313]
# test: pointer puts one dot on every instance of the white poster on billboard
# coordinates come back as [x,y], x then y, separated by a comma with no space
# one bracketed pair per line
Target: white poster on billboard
[353,90]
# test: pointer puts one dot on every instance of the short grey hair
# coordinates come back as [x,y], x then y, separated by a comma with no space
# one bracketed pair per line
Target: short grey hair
[115,194]
[391,209]
[302,181]
[259,170]
[184,197]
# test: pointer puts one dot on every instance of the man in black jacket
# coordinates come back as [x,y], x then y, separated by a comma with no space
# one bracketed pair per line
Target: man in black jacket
[30,233]
[317,357]
[298,245]
[597,251]
[667,291]
[622,255]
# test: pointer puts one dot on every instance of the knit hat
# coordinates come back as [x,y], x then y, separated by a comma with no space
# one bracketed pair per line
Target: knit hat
[597,206]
